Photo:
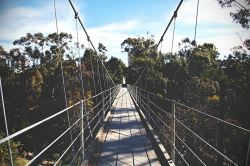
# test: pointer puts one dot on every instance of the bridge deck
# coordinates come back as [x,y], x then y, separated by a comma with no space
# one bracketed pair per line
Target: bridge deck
[125,140]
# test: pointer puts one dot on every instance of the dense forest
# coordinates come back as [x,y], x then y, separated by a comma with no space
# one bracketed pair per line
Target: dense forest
[197,77]
[34,89]
[194,76]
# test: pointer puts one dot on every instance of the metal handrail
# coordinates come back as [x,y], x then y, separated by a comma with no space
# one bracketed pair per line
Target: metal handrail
[112,93]
[193,109]
[213,117]
[174,147]
[144,103]
[227,158]
[36,124]
[48,118]
[60,136]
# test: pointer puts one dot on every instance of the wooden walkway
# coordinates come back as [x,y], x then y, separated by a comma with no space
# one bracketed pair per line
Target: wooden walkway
[125,140]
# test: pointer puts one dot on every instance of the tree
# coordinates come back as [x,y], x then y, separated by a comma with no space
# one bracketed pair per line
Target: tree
[241,14]
[33,89]
[117,69]
[195,76]
[139,47]
[140,52]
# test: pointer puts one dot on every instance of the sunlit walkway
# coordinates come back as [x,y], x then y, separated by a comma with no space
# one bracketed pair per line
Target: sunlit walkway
[124,138]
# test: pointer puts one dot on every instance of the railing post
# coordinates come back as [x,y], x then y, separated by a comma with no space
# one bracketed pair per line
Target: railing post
[6,124]
[148,107]
[110,99]
[103,109]
[82,130]
[248,151]
[133,91]
[140,98]
[136,95]
[140,93]
[173,131]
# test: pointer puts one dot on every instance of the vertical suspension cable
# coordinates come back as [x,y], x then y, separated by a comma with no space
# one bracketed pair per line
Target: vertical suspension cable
[196,19]
[58,52]
[98,73]
[79,56]
[99,84]
[101,75]
[92,70]
[88,37]
[6,124]
[172,45]
[104,78]
[60,56]
[81,74]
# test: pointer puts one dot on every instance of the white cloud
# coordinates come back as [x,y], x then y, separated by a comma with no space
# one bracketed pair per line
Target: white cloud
[122,26]
[224,39]
[209,12]
[18,21]
[214,25]
[112,36]
[22,12]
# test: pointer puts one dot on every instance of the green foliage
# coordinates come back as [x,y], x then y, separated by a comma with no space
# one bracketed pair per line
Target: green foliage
[20,161]
[4,152]
[139,47]
[196,77]
[33,90]
[240,14]
[117,69]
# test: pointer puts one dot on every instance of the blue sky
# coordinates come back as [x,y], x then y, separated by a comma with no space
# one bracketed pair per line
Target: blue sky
[112,21]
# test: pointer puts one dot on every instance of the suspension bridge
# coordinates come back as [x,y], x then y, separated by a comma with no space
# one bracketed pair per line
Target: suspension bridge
[130,127]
